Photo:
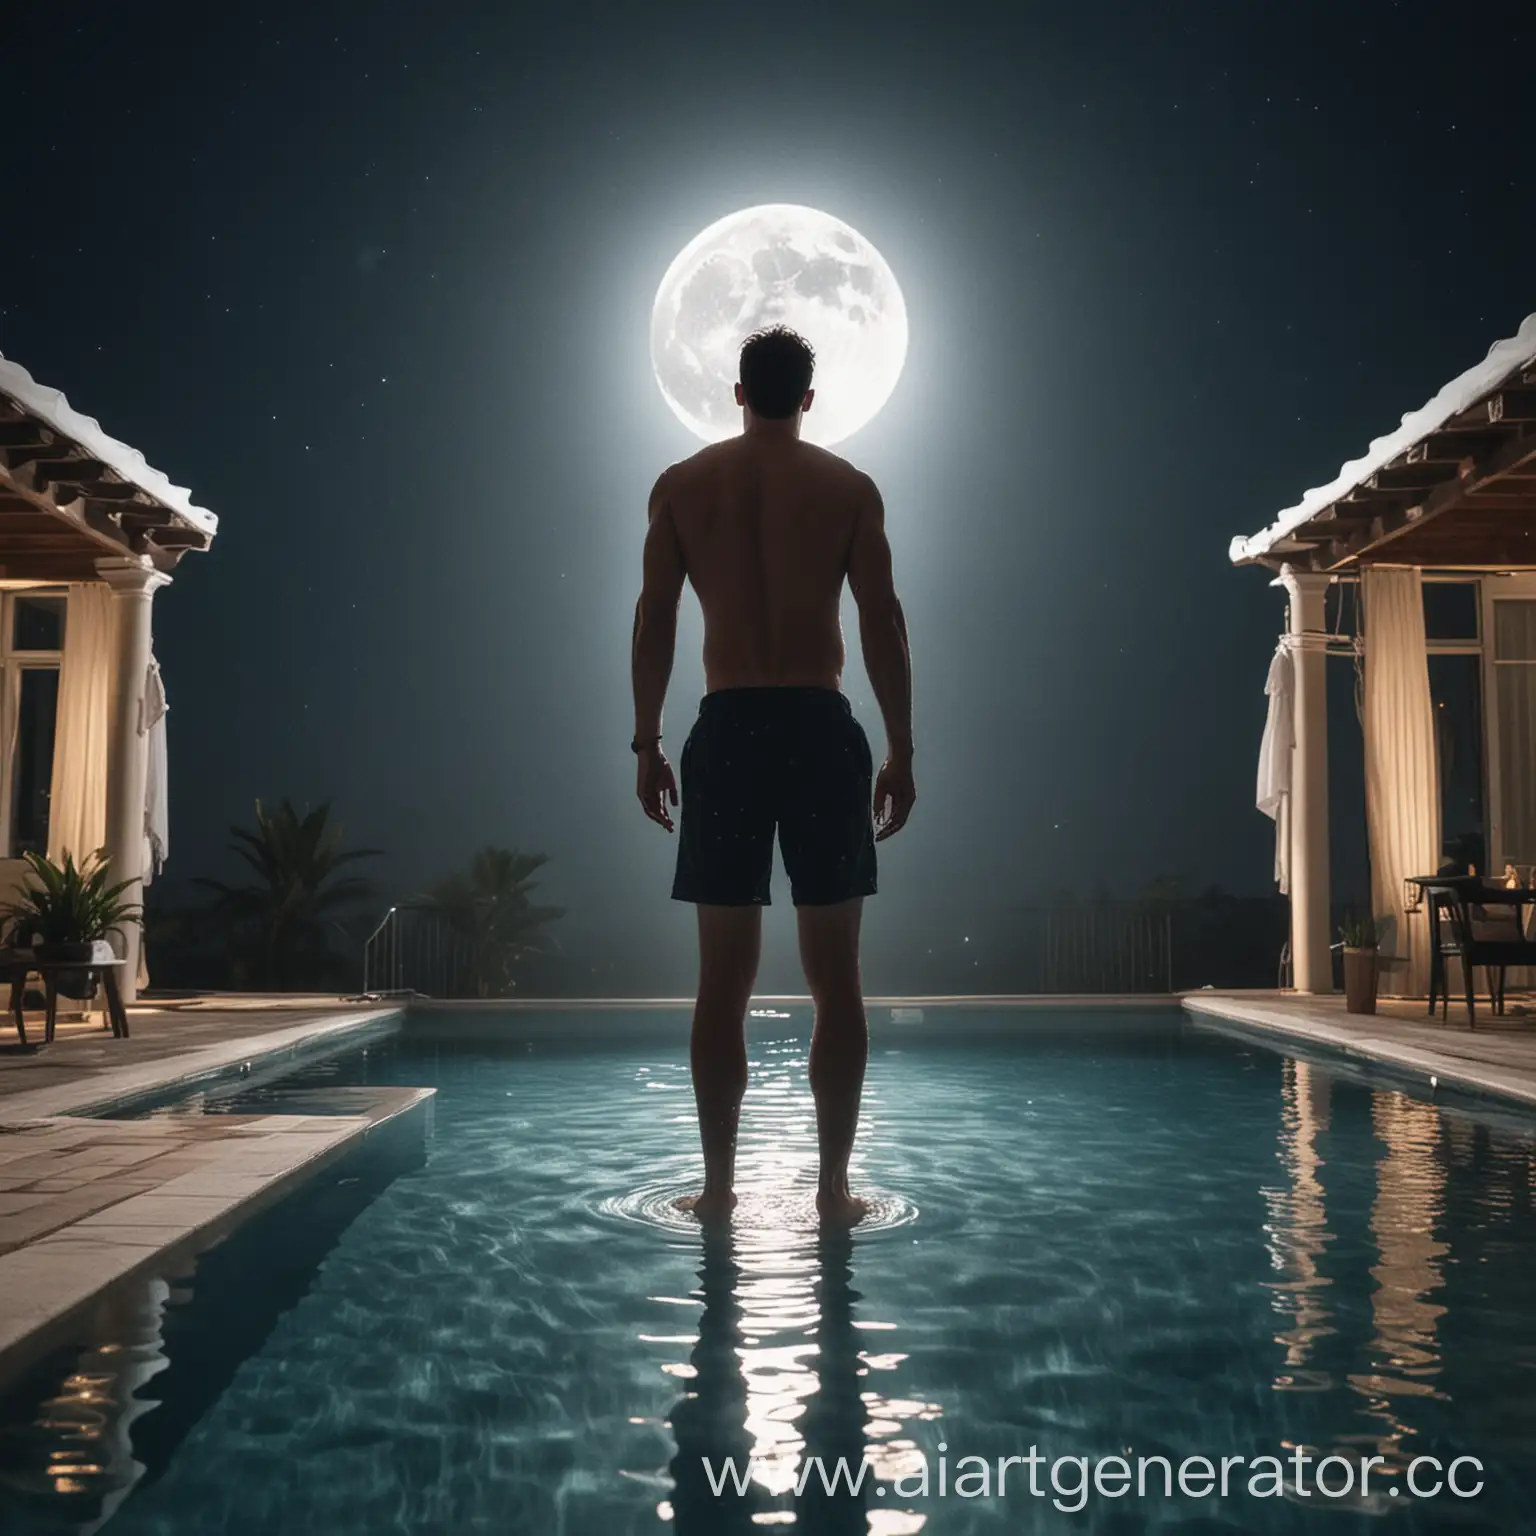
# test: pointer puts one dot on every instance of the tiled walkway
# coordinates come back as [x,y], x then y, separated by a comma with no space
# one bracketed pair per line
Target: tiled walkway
[59,1172]
[85,1203]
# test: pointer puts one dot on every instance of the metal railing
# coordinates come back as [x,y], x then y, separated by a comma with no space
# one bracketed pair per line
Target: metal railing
[1106,947]
[415,950]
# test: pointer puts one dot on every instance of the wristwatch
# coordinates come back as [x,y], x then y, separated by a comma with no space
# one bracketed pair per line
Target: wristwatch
[637,746]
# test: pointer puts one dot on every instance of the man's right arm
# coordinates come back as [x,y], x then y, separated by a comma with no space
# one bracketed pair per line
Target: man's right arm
[882,625]
[887,659]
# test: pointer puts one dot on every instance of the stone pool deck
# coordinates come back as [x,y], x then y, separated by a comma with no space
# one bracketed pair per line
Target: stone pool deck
[87,1203]
[85,1061]
[1497,1057]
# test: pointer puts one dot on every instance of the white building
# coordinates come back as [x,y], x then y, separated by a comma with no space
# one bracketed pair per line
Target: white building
[1417,563]
[88,534]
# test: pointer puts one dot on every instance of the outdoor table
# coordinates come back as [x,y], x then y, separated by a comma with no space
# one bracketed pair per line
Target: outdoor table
[1479,891]
[20,966]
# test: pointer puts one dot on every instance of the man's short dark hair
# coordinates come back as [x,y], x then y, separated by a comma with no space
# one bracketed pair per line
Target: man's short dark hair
[776,369]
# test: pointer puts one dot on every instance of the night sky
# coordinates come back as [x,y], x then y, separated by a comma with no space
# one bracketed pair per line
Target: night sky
[375,282]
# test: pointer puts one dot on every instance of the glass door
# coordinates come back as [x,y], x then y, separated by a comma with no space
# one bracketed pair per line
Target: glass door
[1510,659]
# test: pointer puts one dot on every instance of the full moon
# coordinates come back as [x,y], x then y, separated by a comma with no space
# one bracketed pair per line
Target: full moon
[779,264]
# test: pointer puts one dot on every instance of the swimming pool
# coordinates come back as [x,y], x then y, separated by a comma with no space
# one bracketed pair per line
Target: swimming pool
[1096,1235]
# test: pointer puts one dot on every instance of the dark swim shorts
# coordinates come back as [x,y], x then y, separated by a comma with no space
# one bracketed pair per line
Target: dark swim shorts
[757,759]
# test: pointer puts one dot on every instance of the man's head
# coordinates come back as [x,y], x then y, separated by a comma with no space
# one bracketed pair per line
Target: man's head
[776,369]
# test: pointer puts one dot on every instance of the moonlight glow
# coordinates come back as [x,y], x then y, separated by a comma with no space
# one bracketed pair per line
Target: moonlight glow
[771,265]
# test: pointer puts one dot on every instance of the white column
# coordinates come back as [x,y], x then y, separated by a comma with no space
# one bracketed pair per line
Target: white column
[133,583]
[1311,922]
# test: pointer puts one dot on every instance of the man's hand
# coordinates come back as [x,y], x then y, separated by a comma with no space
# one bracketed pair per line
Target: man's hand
[895,794]
[655,785]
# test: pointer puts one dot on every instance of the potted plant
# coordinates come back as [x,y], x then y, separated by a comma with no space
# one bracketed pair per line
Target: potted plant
[65,911]
[1358,934]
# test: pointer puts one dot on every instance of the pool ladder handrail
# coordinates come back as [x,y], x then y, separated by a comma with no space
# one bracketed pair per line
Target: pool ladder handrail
[412,949]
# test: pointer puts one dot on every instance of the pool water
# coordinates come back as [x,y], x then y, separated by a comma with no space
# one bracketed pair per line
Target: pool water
[1093,1235]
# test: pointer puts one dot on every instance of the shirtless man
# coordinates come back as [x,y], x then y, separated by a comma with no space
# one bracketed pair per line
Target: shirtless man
[767,528]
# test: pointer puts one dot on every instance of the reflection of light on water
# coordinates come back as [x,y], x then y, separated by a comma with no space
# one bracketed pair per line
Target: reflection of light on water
[895,1522]
[776,1371]
[87,1427]
[1410,1200]
[1404,1356]
[777,1299]
[1297,1229]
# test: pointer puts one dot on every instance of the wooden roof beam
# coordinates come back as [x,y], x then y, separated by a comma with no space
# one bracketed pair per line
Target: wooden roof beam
[94,524]
[89,478]
[28,453]
[1365,500]
[1454,447]
[1515,551]
[96,507]
[1412,477]
[30,449]
[1389,525]
[151,529]
[1512,405]
[26,433]
[52,475]
[60,567]
[61,471]
[115,491]
[179,538]
[1505,495]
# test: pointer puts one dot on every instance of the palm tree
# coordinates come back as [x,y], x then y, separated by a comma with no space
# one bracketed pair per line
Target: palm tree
[282,925]
[489,906]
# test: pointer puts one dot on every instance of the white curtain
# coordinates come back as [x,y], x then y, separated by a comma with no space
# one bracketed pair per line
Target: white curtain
[1276,751]
[77,807]
[157,806]
[1402,790]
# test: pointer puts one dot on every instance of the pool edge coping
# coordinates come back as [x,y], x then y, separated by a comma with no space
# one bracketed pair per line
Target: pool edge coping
[1484,1079]
[116,1085]
[1075,1002]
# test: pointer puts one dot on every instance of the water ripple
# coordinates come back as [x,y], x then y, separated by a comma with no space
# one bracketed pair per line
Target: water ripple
[764,1212]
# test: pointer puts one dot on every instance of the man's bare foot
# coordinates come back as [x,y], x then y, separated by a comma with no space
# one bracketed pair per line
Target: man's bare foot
[841,1208]
[711,1205]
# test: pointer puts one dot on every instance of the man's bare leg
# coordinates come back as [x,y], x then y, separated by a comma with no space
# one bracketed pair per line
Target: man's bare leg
[829,953]
[730,939]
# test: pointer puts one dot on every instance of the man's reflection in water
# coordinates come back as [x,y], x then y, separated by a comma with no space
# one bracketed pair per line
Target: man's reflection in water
[754,1395]
[709,1423]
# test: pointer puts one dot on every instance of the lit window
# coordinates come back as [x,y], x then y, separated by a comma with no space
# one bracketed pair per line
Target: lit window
[31,651]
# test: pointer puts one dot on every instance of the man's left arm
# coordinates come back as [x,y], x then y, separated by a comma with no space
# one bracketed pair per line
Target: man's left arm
[652,650]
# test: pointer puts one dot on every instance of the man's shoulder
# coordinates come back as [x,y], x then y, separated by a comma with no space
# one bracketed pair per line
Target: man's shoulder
[843,471]
[830,468]
[681,471]
[826,459]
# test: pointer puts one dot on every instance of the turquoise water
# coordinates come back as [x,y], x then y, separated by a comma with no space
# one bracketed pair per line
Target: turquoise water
[1095,1236]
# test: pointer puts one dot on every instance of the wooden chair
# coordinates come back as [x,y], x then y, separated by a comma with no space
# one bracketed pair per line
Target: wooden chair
[1480,925]
[1442,942]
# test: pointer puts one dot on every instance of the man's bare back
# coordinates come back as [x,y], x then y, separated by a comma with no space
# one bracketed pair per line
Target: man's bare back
[765,530]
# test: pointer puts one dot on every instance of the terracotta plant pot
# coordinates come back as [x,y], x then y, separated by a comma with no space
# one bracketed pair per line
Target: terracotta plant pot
[1359,980]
